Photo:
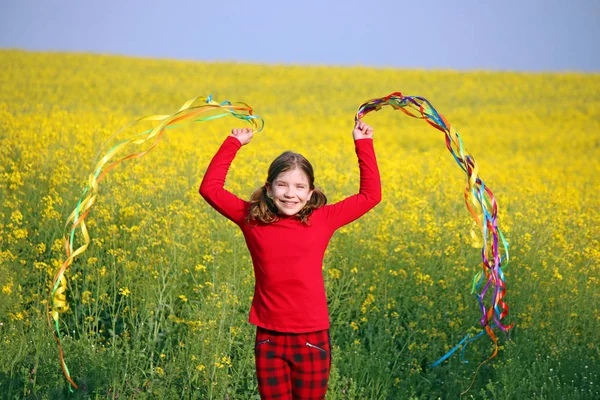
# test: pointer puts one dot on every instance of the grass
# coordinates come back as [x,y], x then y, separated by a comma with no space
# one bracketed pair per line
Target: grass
[159,302]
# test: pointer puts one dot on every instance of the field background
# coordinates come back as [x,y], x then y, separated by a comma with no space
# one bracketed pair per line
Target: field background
[159,302]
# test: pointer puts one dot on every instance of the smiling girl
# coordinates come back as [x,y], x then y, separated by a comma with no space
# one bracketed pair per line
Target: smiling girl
[287,226]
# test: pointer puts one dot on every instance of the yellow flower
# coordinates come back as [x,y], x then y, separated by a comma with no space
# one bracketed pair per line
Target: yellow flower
[334,273]
[40,265]
[557,274]
[16,317]
[41,248]
[92,260]
[200,268]
[16,217]
[124,291]
[85,297]
[7,289]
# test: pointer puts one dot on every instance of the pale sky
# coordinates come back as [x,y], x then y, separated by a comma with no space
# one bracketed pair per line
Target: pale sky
[514,35]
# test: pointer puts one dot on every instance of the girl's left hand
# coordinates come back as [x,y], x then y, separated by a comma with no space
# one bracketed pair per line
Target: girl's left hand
[362,131]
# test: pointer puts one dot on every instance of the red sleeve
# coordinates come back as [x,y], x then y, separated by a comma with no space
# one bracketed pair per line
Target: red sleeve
[213,183]
[369,194]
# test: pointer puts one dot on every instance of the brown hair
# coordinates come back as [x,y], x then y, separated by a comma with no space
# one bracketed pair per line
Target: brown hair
[263,209]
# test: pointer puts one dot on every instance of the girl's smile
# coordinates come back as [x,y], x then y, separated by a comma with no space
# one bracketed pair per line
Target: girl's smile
[290,191]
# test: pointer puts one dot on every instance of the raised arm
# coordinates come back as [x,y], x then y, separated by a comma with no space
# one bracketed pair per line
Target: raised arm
[369,194]
[212,187]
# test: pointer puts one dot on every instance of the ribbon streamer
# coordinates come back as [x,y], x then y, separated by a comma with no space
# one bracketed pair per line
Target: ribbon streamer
[189,112]
[480,203]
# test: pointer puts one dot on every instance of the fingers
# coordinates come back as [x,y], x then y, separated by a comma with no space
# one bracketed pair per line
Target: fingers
[244,135]
[360,125]
[241,131]
[361,129]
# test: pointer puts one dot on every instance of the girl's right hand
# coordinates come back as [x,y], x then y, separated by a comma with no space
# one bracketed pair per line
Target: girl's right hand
[244,135]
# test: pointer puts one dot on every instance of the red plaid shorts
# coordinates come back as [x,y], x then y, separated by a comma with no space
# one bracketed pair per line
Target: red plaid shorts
[292,365]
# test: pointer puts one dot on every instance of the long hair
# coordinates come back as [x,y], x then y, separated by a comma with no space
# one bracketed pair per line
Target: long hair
[263,209]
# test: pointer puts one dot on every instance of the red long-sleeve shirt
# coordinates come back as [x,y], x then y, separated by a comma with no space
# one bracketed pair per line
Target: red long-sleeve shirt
[289,292]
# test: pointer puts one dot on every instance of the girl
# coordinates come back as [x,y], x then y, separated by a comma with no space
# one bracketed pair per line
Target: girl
[287,226]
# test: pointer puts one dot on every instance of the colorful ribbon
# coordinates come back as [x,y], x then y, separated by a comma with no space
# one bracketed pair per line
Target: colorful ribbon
[482,205]
[188,113]
[479,200]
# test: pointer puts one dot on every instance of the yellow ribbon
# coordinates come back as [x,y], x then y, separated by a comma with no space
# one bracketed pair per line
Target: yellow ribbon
[188,113]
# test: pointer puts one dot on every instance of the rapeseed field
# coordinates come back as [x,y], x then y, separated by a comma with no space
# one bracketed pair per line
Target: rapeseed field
[159,301]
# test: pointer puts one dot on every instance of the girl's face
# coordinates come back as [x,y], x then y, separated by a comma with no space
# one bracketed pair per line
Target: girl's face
[290,191]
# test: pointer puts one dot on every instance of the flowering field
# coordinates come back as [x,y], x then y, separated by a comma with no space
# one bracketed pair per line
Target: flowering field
[159,302]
